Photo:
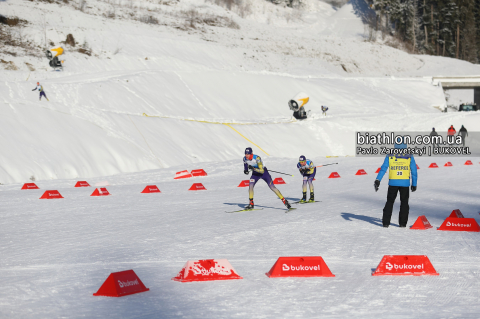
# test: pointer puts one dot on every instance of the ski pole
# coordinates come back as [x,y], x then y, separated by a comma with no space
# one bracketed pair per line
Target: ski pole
[326,164]
[280,173]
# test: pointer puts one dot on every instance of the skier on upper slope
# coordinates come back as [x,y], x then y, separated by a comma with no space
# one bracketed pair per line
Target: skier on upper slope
[254,163]
[42,92]
[308,170]
[400,167]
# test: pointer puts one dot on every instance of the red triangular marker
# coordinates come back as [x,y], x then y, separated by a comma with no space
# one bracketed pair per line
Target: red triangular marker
[421,223]
[448,164]
[411,265]
[120,284]
[334,175]
[100,192]
[151,189]
[433,165]
[460,224]
[377,171]
[278,180]
[205,270]
[199,172]
[197,187]
[30,186]
[82,184]
[244,183]
[469,162]
[51,195]
[361,172]
[300,267]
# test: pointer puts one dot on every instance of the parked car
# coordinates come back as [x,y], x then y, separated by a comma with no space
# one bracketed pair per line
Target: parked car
[467,107]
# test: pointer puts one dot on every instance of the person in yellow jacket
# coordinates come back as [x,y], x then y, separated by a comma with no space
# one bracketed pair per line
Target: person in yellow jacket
[401,169]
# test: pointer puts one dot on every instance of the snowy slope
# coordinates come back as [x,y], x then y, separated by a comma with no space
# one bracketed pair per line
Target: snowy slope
[155,96]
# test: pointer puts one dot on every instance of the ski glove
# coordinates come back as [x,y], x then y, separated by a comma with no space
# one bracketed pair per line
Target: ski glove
[376,184]
[245,172]
[413,188]
[250,167]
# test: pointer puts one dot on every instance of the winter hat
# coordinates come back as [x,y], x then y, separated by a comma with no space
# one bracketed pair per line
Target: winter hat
[302,158]
[248,150]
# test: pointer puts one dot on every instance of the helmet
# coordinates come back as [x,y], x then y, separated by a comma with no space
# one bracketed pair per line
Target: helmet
[248,150]
[433,129]
[302,158]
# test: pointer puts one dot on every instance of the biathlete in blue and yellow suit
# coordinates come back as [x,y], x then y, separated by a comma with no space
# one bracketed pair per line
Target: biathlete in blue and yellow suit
[308,170]
[254,163]
[401,168]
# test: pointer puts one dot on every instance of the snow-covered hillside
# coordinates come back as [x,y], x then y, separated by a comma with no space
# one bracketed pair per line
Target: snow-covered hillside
[156,95]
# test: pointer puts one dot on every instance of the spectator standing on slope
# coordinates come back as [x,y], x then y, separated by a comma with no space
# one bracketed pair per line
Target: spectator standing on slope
[451,130]
[254,163]
[463,133]
[432,134]
[42,92]
[401,168]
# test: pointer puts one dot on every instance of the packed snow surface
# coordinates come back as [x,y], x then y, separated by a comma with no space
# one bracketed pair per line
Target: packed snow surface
[56,253]
[155,99]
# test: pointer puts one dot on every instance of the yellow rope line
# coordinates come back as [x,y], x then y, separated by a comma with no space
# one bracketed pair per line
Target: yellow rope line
[210,122]
[245,138]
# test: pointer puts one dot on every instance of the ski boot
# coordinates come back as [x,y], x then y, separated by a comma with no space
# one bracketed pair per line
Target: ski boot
[286,203]
[312,198]
[304,198]
[250,206]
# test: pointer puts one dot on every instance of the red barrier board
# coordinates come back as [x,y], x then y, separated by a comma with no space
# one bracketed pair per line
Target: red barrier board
[417,166]
[278,180]
[100,192]
[151,189]
[460,224]
[448,164]
[421,223]
[334,175]
[469,162]
[197,187]
[182,174]
[120,284]
[456,213]
[199,172]
[433,165]
[377,171]
[300,267]
[244,183]
[206,270]
[51,195]
[410,265]
[30,186]
[361,172]
[82,184]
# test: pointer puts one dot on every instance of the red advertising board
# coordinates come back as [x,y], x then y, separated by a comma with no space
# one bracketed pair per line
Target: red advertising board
[405,265]
[151,189]
[421,223]
[102,191]
[197,187]
[460,224]
[300,267]
[206,270]
[51,195]
[334,175]
[278,180]
[82,184]
[30,186]
[120,284]
[182,174]
[244,183]
[198,172]
[361,172]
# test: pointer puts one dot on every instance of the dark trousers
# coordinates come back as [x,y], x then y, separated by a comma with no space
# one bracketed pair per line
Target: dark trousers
[404,209]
